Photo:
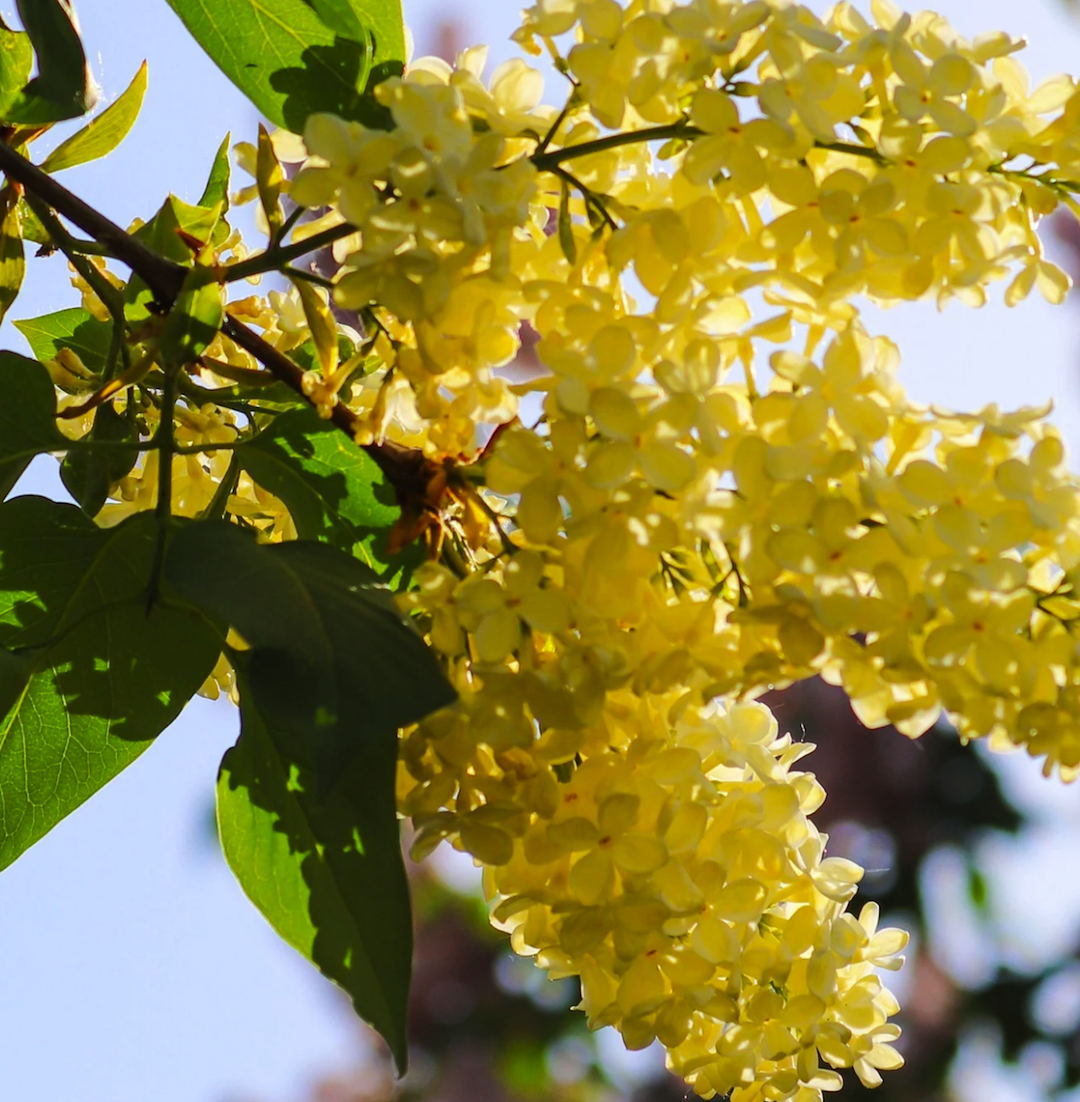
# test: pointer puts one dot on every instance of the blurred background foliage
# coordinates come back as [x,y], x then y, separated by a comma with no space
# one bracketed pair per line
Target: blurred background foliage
[985,1019]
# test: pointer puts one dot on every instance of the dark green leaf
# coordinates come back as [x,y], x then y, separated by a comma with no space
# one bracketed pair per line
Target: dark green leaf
[306,799]
[319,606]
[12,262]
[316,614]
[91,676]
[27,416]
[326,871]
[61,90]
[288,62]
[194,319]
[102,135]
[88,473]
[75,329]
[334,491]
[16,61]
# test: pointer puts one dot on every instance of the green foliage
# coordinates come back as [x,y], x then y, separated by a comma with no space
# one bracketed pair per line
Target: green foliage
[88,473]
[12,263]
[305,799]
[289,62]
[106,633]
[194,319]
[16,61]
[326,872]
[27,417]
[170,233]
[61,90]
[102,135]
[90,675]
[334,492]
[74,329]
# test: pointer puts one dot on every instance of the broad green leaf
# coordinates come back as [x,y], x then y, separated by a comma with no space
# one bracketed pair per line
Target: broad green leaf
[306,798]
[334,491]
[102,135]
[88,473]
[100,677]
[27,416]
[195,318]
[322,609]
[16,61]
[12,261]
[288,62]
[74,329]
[61,90]
[326,871]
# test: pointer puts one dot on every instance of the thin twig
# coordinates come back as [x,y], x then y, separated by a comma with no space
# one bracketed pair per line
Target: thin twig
[272,259]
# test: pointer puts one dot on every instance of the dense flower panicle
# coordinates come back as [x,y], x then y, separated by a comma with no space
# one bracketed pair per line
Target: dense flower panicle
[723,489]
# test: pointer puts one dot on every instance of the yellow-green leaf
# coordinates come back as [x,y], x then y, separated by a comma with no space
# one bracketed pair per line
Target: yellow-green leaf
[102,135]
[322,325]
[12,264]
[269,178]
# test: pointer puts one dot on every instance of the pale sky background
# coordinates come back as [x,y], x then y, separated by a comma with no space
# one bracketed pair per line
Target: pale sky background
[132,969]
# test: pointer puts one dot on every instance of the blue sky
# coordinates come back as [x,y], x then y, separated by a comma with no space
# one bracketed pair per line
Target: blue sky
[132,968]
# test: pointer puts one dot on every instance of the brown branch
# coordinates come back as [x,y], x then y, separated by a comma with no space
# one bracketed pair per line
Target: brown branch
[407,469]
[163,276]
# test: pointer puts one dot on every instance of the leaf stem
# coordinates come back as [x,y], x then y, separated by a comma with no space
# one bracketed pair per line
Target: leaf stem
[275,257]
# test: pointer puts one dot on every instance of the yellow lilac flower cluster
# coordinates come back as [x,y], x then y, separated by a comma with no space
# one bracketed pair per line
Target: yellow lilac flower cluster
[713,485]
[664,855]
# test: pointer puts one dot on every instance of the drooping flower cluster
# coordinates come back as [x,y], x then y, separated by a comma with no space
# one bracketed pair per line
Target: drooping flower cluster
[723,488]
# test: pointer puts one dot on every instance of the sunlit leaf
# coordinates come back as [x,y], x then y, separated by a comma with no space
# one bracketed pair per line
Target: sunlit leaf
[289,62]
[90,676]
[62,89]
[102,135]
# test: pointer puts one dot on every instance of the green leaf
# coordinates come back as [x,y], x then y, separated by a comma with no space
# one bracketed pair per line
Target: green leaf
[75,329]
[102,135]
[288,62]
[27,416]
[171,233]
[16,61]
[333,489]
[88,473]
[195,318]
[217,183]
[322,609]
[216,192]
[91,676]
[32,229]
[268,179]
[61,90]
[326,872]
[306,798]
[321,322]
[12,262]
